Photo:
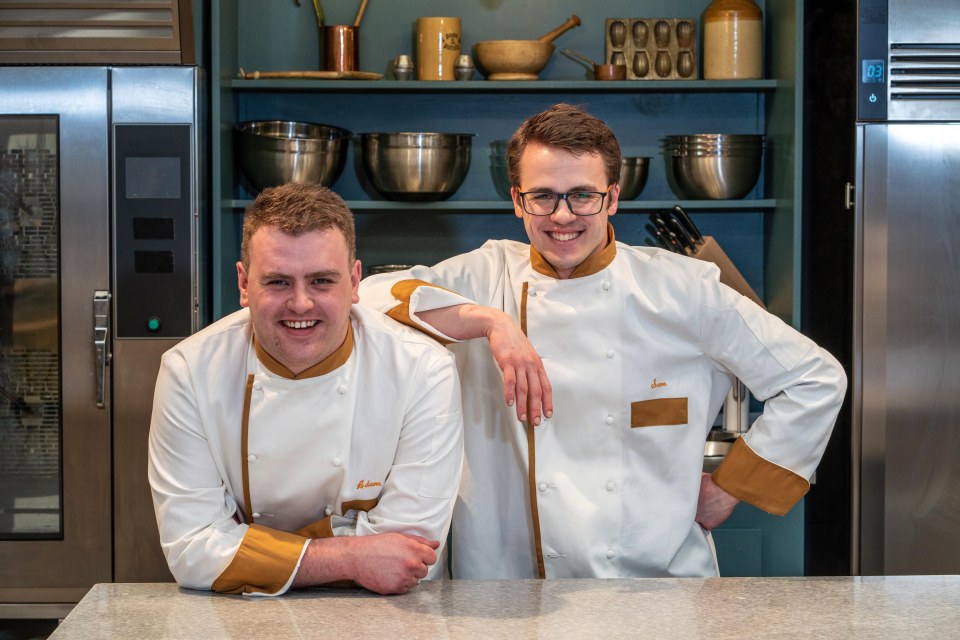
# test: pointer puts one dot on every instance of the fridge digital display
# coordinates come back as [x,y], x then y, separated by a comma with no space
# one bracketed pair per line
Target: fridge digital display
[873,72]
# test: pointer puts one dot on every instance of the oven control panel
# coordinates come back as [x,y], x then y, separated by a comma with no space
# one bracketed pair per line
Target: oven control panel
[153,230]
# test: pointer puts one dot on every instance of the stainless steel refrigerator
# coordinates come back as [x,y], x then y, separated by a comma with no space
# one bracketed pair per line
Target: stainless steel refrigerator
[906,377]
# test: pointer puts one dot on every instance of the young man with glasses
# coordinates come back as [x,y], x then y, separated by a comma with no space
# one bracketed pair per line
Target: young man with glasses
[628,354]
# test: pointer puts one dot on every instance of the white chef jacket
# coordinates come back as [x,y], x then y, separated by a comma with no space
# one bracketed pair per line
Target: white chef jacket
[248,462]
[641,346]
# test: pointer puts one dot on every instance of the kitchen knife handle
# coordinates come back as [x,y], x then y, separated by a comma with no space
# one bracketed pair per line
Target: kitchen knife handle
[660,223]
[686,240]
[661,240]
[687,223]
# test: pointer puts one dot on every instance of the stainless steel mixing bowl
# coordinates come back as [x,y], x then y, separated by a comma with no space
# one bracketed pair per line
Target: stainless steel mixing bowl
[500,172]
[273,152]
[416,167]
[633,176]
[713,166]
[500,168]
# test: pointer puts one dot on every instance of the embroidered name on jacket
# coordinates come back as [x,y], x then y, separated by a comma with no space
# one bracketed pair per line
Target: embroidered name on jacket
[657,385]
[367,484]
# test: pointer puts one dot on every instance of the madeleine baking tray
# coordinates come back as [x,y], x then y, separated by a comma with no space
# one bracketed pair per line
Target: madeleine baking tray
[654,48]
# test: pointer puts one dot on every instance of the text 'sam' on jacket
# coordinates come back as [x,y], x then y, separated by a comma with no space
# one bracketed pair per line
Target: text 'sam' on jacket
[641,346]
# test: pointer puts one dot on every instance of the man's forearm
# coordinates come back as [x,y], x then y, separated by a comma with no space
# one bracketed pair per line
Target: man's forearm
[463,321]
[525,381]
[325,560]
[384,563]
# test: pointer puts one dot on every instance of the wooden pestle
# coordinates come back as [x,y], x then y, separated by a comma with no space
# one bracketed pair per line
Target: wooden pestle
[572,21]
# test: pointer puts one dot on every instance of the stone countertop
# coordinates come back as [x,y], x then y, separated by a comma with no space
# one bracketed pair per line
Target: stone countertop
[661,608]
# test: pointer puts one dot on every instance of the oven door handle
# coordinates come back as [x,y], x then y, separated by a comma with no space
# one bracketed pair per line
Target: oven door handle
[101,340]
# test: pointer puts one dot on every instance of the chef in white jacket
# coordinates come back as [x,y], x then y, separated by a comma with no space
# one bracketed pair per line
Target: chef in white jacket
[304,440]
[597,469]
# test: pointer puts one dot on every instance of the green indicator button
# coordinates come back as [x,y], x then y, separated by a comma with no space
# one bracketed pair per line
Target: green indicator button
[153,324]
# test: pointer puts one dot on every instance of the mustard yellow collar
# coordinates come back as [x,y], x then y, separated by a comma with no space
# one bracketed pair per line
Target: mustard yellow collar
[325,366]
[590,266]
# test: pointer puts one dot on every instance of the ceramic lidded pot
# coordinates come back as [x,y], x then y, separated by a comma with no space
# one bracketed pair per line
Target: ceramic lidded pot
[732,40]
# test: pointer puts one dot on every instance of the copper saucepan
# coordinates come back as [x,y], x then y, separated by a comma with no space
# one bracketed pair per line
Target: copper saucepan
[600,71]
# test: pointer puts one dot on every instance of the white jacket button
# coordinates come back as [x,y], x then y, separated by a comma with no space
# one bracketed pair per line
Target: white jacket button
[611,486]
[328,511]
[611,553]
[251,458]
[609,420]
[542,486]
[605,285]
[531,292]
[342,389]
[256,515]
[610,353]
[337,462]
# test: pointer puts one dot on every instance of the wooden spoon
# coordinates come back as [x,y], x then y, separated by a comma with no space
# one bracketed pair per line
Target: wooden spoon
[363,7]
[572,21]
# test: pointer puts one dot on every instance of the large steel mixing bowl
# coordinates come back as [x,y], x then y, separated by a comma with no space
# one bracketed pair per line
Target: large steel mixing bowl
[713,166]
[416,167]
[274,152]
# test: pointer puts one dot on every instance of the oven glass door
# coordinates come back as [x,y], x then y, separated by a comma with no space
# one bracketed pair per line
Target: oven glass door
[55,527]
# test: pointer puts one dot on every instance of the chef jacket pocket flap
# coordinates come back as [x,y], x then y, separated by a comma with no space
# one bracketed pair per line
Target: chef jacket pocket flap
[658,412]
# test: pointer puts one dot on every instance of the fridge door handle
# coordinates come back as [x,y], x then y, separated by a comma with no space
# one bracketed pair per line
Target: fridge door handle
[849,196]
[101,339]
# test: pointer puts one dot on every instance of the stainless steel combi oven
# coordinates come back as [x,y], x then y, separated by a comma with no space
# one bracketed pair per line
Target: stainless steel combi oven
[100,210]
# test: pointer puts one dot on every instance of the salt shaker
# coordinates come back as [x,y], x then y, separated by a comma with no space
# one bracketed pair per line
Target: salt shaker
[464,68]
[403,67]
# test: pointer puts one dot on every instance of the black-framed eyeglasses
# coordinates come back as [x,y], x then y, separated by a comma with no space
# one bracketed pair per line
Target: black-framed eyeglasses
[545,203]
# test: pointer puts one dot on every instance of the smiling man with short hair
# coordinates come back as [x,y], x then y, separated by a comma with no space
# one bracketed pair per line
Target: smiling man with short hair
[304,440]
[613,362]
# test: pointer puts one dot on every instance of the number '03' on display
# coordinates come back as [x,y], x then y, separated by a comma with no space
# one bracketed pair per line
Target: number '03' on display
[873,71]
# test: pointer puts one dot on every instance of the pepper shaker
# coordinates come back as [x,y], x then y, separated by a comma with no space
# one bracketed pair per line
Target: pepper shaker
[403,67]
[464,68]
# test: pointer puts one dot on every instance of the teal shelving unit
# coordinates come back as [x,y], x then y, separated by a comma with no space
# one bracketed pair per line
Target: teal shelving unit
[761,233]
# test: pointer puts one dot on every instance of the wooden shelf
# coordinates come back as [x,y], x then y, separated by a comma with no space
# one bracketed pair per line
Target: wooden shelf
[504,86]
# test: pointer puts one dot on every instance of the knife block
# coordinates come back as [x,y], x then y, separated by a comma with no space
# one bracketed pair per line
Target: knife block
[729,275]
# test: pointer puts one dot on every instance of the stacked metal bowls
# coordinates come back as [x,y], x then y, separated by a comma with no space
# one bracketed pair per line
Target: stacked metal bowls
[713,166]
[416,167]
[633,176]
[274,152]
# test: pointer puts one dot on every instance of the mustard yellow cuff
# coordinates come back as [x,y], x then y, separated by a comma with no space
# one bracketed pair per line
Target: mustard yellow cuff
[748,477]
[263,563]
[402,291]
